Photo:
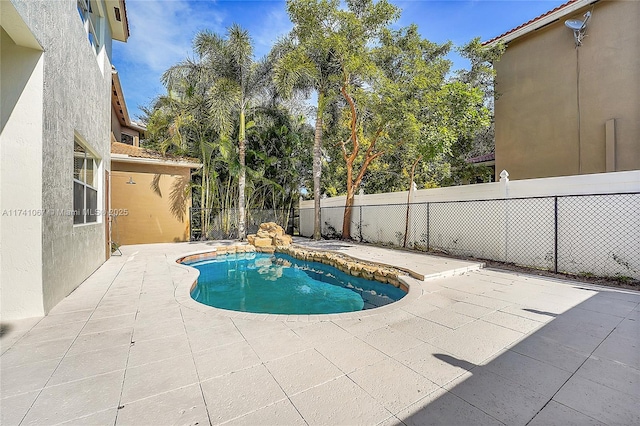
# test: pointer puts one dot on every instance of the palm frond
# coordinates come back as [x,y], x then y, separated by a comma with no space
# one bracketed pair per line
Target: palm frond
[224,98]
[239,46]
[179,197]
[294,71]
[155,184]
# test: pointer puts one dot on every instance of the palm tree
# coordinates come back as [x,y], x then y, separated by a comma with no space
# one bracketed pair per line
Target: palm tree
[233,81]
[279,143]
[178,123]
[305,62]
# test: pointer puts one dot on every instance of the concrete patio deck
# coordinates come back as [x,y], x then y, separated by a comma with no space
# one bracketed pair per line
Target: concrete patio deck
[484,347]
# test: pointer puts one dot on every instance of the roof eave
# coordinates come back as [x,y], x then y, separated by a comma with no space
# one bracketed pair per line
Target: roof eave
[119,27]
[123,158]
[539,23]
[135,126]
[118,96]
[483,163]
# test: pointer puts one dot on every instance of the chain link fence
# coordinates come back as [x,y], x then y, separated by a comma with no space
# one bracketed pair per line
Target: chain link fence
[217,224]
[586,235]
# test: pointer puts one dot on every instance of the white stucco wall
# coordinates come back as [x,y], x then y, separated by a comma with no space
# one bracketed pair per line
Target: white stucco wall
[74,99]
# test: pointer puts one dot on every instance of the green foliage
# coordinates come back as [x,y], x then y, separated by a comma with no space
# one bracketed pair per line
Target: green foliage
[279,146]
[216,98]
[403,87]
[389,108]
[230,82]
[305,61]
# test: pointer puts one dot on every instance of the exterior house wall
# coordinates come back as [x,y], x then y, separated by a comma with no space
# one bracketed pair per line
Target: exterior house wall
[116,129]
[554,100]
[75,103]
[21,82]
[148,217]
[76,100]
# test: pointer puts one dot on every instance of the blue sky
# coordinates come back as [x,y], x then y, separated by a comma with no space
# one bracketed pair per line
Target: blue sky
[162,30]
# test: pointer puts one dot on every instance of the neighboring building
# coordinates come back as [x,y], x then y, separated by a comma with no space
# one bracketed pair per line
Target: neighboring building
[54,151]
[151,195]
[568,110]
[487,160]
[150,192]
[122,128]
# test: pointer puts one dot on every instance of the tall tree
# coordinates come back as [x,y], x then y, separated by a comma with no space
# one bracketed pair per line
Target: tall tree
[451,143]
[480,74]
[281,143]
[179,123]
[305,61]
[235,80]
[396,95]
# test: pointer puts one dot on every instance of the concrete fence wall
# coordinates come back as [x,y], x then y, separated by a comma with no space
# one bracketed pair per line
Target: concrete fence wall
[588,224]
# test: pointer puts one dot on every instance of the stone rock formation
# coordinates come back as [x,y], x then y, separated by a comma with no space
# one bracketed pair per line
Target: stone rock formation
[351,266]
[269,236]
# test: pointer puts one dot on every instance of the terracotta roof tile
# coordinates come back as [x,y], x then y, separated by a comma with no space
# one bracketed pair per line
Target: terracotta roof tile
[138,152]
[562,6]
[482,158]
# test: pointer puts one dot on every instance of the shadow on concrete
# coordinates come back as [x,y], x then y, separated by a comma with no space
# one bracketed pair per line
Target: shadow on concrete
[535,311]
[5,329]
[456,362]
[536,380]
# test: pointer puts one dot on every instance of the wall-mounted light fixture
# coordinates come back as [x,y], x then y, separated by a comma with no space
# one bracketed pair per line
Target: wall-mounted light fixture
[578,27]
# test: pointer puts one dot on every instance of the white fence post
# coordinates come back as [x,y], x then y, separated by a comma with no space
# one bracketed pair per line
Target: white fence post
[358,202]
[504,180]
[412,213]
[596,224]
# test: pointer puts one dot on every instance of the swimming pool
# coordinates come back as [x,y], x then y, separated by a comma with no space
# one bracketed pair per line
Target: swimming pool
[281,284]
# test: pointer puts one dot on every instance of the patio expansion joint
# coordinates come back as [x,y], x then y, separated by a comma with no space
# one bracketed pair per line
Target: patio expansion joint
[23,335]
[83,417]
[132,342]
[263,363]
[204,399]
[447,391]
[474,406]
[70,346]
[573,374]
[391,414]
[133,401]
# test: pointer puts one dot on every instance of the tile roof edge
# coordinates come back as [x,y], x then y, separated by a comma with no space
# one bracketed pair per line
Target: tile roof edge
[561,10]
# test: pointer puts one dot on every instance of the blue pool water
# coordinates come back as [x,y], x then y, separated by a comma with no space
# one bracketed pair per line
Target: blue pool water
[281,284]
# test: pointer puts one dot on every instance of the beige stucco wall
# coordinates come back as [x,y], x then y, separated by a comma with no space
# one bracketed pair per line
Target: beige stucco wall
[547,90]
[148,218]
[116,129]
[21,82]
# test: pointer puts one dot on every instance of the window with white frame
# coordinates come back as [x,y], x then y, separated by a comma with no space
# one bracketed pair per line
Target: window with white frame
[85,186]
[90,20]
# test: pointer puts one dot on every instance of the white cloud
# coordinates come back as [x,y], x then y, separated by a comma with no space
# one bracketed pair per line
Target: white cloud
[161,35]
[276,24]
[162,31]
